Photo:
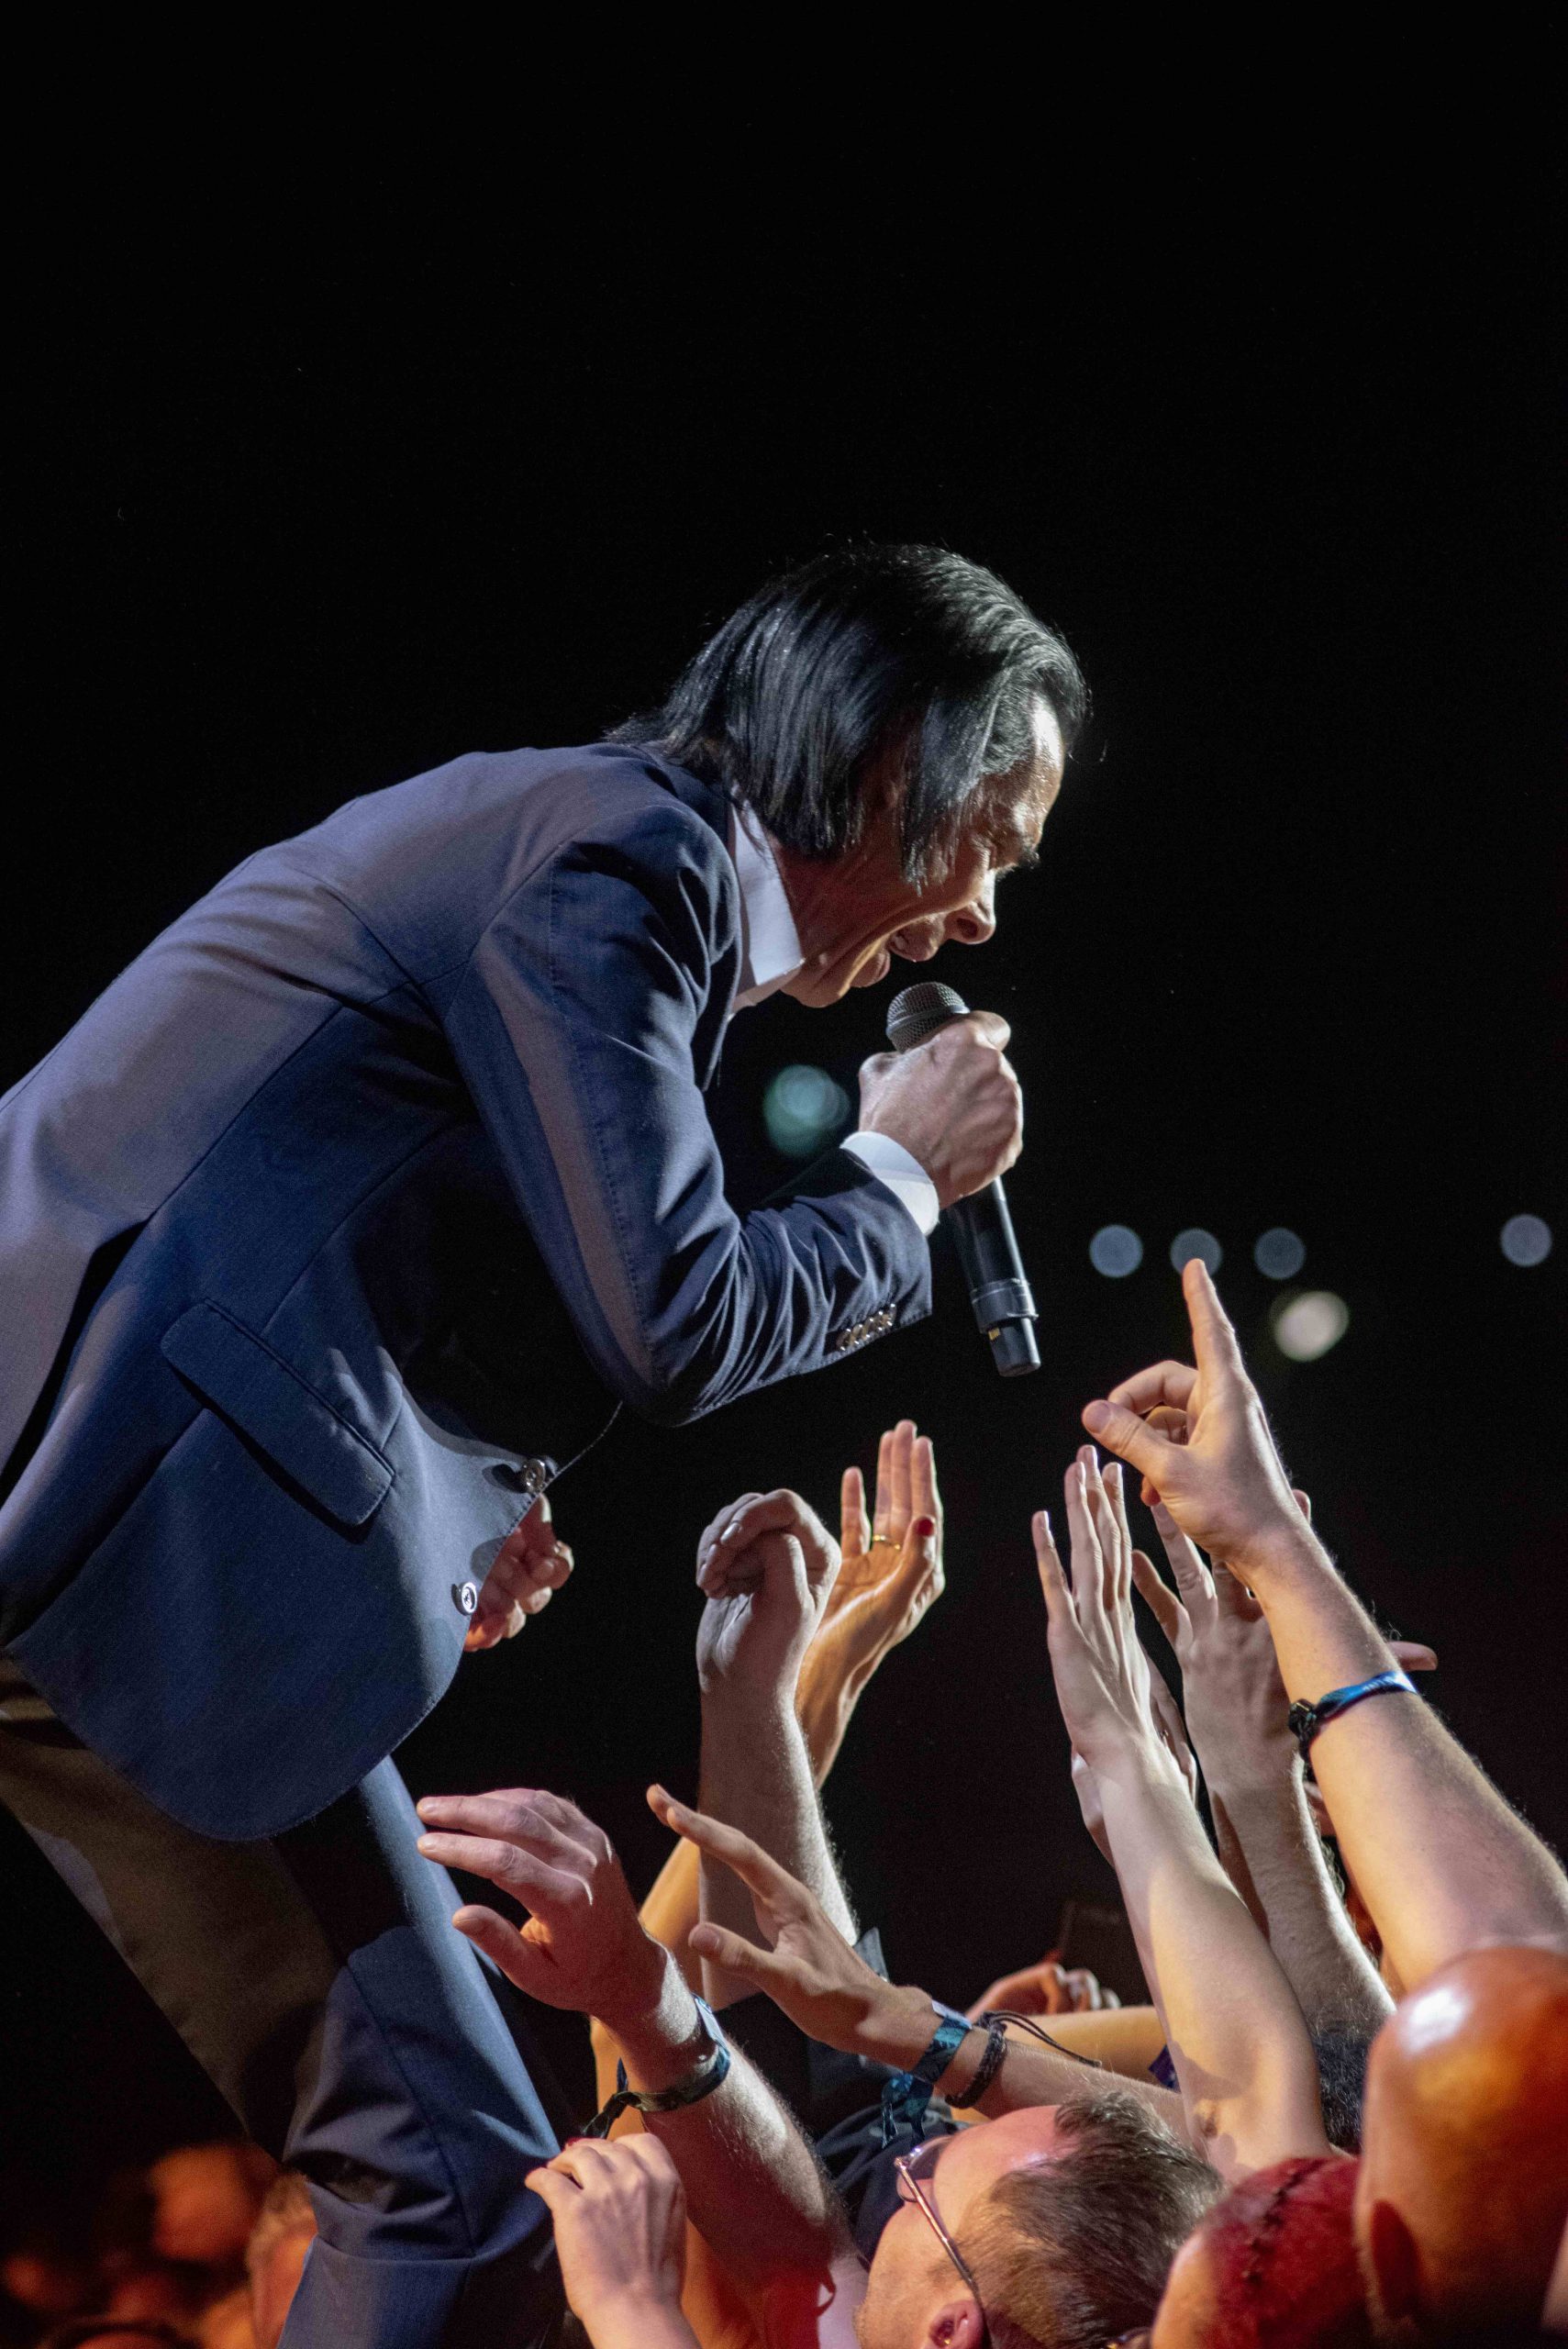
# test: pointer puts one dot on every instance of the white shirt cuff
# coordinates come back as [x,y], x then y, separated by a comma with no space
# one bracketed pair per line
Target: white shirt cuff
[904,1175]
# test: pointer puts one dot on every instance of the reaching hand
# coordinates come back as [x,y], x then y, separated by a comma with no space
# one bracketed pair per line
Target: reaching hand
[582,1946]
[1103,1681]
[810,1972]
[1172,1732]
[620,2232]
[530,1565]
[1222,1483]
[1048,1988]
[1236,1701]
[890,1570]
[767,1564]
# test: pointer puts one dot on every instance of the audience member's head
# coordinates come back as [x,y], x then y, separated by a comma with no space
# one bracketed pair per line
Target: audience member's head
[43,2274]
[1271,2267]
[274,2256]
[1464,2185]
[1067,2217]
[206,2199]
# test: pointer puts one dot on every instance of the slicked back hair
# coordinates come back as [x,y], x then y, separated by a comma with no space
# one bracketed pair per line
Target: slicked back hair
[867,654]
[1069,2252]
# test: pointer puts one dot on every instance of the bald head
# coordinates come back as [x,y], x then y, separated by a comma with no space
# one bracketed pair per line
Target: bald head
[1271,2267]
[1464,2185]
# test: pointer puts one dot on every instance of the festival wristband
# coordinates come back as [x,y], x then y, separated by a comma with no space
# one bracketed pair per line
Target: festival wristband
[708,2073]
[907,2094]
[1305,1721]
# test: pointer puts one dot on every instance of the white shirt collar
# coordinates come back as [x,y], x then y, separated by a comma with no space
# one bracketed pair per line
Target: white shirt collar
[769,944]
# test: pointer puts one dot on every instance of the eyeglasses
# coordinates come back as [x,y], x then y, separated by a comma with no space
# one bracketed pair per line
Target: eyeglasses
[914,2172]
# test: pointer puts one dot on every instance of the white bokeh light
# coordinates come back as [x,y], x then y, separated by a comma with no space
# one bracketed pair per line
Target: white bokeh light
[1195,1241]
[1304,1327]
[1525,1240]
[1279,1255]
[1116,1251]
[801,1109]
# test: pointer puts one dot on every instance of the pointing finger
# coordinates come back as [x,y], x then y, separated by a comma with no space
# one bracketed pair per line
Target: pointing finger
[1214,1340]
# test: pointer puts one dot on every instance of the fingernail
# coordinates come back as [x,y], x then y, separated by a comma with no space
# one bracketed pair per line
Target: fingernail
[423,1843]
[1045,1519]
[924,1528]
[1097,1418]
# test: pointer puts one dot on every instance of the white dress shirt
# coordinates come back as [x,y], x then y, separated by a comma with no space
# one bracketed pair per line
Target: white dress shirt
[769,954]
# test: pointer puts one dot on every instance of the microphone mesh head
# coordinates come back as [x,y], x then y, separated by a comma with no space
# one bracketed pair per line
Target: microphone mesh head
[919,1011]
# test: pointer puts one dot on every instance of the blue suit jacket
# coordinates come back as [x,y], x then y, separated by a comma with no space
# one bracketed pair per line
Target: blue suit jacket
[324,1233]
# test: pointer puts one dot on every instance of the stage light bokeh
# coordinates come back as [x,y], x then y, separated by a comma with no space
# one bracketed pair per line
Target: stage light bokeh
[1116,1251]
[1304,1327]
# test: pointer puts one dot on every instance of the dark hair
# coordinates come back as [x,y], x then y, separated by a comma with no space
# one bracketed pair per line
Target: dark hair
[870,652]
[1341,2050]
[1071,2251]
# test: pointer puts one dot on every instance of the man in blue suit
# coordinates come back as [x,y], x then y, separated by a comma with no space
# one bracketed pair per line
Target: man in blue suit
[336,1230]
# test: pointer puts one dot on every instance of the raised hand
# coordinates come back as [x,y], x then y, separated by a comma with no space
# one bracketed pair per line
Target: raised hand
[1105,1684]
[619,2213]
[582,1946]
[1222,1482]
[810,1971]
[890,1567]
[767,1564]
[530,1567]
[1236,1702]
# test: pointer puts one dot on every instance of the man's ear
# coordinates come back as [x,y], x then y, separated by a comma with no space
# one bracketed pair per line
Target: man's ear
[957,2324]
[1395,2260]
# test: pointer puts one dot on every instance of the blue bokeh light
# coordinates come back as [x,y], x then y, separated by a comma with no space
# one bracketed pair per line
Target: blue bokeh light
[1116,1251]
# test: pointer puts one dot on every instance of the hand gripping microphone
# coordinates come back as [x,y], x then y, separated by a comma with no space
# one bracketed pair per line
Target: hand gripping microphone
[980,1226]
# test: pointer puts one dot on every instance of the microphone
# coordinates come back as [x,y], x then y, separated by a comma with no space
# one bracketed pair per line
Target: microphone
[980,1226]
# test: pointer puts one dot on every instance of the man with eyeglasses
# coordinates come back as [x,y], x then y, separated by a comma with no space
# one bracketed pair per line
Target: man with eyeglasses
[1054,2221]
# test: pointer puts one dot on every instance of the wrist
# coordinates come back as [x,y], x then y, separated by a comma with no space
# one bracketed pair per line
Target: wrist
[738,1712]
[1262,1777]
[1280,1549]
[897,2029]
[633,2317]
[653,2017]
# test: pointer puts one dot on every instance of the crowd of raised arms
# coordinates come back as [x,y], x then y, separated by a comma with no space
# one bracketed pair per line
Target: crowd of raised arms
[1342,2118]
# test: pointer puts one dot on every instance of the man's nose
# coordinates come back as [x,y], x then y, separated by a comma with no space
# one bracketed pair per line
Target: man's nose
[973,924]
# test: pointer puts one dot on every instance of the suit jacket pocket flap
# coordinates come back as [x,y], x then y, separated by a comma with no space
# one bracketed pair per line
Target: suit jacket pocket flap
[241,1378]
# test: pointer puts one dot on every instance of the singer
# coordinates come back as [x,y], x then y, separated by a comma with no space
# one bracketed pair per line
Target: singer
[339,1228]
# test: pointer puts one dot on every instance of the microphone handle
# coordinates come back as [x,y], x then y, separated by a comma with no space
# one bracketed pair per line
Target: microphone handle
[1003,1301]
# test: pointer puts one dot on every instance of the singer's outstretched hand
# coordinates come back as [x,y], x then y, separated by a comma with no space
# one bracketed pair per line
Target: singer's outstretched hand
[953,1102]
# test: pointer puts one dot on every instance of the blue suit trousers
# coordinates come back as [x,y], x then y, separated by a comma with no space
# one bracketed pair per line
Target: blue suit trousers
[317,1978]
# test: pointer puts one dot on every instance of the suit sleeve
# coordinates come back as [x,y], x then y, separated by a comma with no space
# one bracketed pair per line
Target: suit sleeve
[574,1027]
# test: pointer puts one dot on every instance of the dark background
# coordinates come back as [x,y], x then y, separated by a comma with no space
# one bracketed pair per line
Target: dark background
[315,498]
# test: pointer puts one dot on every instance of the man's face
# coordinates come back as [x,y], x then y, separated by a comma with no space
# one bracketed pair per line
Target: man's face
[911,2277]
[855,914]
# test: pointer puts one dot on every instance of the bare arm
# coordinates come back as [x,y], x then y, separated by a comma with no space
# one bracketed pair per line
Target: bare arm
[750,2180]
[1235,2032]
[1236,1709]
[1440,1859]
[767,1571]
[820,1982]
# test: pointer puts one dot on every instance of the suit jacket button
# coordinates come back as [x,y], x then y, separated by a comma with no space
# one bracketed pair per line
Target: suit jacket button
[465,1597]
